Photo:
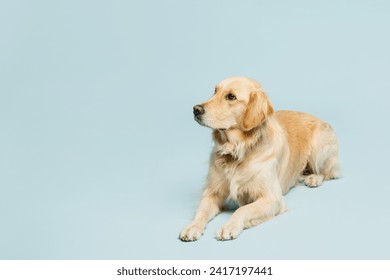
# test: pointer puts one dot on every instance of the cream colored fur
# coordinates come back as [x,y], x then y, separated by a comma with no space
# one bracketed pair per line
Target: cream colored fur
[258,156]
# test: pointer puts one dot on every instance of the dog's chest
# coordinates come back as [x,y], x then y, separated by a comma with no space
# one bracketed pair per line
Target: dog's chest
[234,177]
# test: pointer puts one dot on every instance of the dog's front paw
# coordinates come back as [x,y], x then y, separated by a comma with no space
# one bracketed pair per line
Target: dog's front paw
[229,231]
[191,233]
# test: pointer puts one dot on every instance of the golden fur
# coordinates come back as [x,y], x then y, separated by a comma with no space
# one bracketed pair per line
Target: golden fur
[258,156]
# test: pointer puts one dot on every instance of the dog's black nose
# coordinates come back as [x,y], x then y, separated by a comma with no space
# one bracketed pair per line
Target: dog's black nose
[198,110]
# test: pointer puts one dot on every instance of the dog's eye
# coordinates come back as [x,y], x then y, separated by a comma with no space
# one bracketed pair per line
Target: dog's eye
[230,96]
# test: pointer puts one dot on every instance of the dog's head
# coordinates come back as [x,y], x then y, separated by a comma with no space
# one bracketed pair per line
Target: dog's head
[238,103]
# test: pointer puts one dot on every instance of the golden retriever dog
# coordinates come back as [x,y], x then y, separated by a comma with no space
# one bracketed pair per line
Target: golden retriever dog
[259,154]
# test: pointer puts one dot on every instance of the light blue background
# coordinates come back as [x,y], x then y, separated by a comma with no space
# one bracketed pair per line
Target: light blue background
[100,157]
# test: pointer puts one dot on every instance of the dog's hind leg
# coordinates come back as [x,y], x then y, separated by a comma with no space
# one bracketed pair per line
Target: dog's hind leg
[323,160]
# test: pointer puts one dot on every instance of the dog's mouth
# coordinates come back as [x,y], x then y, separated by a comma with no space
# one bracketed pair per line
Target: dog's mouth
[200,121]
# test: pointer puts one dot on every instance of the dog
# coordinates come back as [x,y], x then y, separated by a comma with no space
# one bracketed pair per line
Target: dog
[258,156]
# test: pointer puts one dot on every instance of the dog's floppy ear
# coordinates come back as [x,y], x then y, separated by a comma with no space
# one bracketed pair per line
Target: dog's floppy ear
[258,109]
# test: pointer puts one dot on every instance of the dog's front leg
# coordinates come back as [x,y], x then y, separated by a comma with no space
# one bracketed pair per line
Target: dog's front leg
[250,215]
[210,205]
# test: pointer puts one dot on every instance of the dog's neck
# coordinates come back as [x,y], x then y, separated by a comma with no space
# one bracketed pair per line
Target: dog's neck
[236,143]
